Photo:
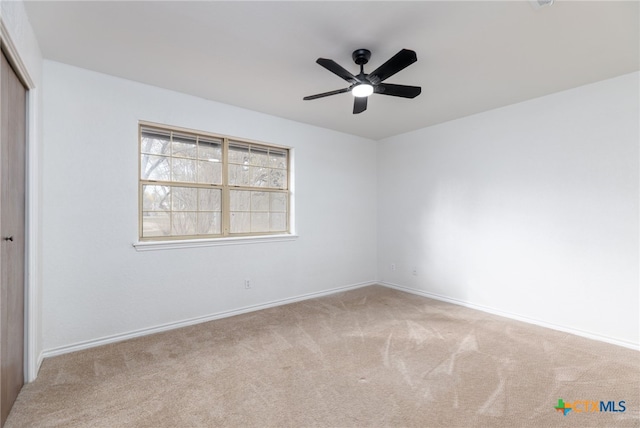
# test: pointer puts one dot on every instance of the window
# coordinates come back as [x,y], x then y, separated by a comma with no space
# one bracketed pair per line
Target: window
[197,185]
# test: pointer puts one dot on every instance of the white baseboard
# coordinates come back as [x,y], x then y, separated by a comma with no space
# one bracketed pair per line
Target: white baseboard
[32,367]
[39,361]
[528,320]
[197,320]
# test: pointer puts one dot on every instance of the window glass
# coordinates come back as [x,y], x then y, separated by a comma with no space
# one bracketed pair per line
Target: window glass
[194,185]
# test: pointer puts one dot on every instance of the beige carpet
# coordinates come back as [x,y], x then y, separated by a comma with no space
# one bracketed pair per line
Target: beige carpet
[371,357]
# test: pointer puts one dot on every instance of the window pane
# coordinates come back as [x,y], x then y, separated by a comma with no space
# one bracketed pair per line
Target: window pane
[155,142]
[278,202]
[239,200]
[209,199]
[155,168]
[184,146]
[184,170]
[184,199]
[239,175]
[155,224]
[260,177]
[259,222]
[240,222]
[209,172]
[278,222]
[155,198]
[183,223]
[259,157]
[209,223]
[238,153]
[278,179]
[260,201]
[278,159]
[210,150]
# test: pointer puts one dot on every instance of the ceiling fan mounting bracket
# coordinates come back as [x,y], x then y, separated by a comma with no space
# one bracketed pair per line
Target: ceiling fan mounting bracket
[361,56]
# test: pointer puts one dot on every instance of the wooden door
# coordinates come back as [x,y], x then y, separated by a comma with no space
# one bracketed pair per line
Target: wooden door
[12,235]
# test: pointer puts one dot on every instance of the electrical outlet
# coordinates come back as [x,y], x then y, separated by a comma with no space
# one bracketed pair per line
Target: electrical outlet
[247,283]
[393,267]
[415,271]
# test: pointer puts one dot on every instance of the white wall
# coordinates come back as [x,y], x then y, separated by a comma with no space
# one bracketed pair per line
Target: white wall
[21,38]
[97,285]
[529,210]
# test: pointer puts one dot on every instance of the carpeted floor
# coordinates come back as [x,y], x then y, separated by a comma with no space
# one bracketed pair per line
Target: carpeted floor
[372,357]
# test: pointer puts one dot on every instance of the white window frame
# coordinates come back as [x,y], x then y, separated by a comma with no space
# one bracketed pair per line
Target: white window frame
[226,237]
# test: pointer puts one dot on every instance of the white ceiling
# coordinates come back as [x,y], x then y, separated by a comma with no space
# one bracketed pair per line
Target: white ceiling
[472,56]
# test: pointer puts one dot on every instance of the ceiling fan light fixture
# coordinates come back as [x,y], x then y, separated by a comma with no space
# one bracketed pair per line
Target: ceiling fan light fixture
[362,90]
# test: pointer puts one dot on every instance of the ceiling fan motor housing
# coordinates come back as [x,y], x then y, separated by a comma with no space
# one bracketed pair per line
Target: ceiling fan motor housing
[361,56]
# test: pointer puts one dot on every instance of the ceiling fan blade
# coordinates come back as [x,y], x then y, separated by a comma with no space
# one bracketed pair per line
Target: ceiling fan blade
[359,104]
[403,91]
[398,62]
[337,69]
[326,94]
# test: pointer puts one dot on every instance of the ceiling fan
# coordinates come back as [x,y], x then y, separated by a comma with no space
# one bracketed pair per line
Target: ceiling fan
[363,85]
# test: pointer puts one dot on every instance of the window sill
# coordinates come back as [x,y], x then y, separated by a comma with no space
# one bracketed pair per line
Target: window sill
[197,243]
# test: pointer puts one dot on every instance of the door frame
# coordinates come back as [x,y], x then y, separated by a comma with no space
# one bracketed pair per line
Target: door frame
[32,353]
